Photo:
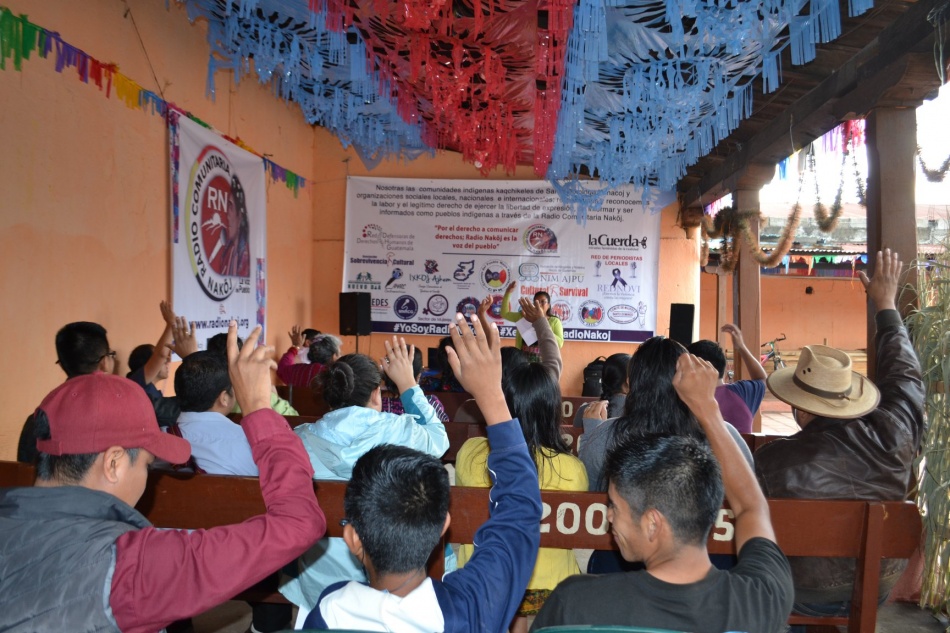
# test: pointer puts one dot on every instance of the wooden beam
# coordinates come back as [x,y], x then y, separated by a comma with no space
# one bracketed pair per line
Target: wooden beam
[815,113]
[747,289]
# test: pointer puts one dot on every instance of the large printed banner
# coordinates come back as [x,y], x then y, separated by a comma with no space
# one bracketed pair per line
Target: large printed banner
[425,249]
[218,230]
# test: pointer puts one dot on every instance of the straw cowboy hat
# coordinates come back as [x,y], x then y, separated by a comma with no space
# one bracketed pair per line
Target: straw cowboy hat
[823,384]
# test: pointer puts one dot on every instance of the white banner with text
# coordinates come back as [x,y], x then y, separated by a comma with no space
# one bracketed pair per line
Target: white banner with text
[219,237]
[426,249]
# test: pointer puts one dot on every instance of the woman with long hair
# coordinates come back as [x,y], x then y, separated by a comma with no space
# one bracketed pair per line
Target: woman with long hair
[651,407]
[355,424]
[534,397]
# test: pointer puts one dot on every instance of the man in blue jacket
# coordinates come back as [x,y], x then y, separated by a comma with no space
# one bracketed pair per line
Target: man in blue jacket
[397,509]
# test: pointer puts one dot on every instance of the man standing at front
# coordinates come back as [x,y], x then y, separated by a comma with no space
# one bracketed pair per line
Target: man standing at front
[858,440]
[664,493]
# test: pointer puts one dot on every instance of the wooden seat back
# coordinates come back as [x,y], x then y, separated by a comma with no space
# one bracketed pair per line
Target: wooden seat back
[865,530]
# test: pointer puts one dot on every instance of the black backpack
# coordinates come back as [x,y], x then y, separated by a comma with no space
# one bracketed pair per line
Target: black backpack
[592,376]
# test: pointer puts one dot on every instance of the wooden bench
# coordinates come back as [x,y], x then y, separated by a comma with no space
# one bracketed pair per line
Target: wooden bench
[865,530]
[301,399]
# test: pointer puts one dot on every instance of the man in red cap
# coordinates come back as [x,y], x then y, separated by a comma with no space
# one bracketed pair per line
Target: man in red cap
[76,556]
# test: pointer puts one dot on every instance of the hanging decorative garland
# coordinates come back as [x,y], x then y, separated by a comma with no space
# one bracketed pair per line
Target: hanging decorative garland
[933,175]
[732,226]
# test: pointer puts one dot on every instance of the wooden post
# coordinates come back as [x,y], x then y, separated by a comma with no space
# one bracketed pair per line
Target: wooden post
[747,289]
[892,223]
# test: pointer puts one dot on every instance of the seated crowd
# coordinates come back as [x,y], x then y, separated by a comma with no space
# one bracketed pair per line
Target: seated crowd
[663,443]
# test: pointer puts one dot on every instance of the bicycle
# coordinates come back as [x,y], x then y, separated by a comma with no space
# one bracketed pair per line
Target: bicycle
[773,354]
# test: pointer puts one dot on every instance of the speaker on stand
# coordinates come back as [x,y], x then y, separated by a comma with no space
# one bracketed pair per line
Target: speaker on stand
[355,315]
[681,322]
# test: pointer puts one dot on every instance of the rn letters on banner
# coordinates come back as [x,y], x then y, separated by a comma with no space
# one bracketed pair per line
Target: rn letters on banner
[219,259]
[426,249]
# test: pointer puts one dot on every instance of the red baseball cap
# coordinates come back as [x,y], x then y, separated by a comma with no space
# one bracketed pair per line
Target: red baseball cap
[90,413]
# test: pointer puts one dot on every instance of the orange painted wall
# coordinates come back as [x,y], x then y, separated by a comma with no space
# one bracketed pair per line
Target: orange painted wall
[833,312]
[84,209]
[84,181]
[679,253]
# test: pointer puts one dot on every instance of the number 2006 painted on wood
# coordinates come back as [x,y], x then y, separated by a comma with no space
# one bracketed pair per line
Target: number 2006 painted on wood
[570,518]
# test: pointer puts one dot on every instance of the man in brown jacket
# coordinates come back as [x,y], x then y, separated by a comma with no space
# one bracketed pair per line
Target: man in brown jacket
[858,439]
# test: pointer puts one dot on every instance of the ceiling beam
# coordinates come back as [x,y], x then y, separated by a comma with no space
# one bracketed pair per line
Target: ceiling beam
[874,73]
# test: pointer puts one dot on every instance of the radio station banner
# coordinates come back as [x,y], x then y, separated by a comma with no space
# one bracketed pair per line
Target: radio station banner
[219,238]
[426,249]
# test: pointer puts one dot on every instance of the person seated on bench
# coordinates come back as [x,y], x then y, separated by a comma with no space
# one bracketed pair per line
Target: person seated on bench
[614,388]
[397,509]
[148,363]
[78,557]
[664,494]
[534,398]
[858,440]
[355,424]
[443,379]
[81,348]
[205,396]
[391,401]
[739,400]
[651,406]
[217,344]
[300,340]
[323,350]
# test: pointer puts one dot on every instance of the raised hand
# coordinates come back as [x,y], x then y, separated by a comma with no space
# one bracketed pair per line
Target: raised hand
[250,370]
[397,363]
[296,336]
[530,310]
[168,314]
[184,341]
[695,383]
[475,359]
[882,288]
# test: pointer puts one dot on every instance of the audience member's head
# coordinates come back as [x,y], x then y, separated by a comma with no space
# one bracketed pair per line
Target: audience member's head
[678,477]
[534,397]
[652,405]
[218,344]
[511,359]
[82,348]
[711,352]
[140,356]
[324,349]
[613,380]
[97,422]
[449,381]
[397,502]
[351,381]
[202,383]
[416,371]
[308,335]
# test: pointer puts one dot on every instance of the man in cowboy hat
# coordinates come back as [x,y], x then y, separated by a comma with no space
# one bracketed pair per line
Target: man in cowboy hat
[858,439]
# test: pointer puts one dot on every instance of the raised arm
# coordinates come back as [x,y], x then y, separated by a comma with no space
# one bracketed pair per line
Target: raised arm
[548,348]
[476,361]
[695,383]
[160,352]
[506,312]
[482,312]
[166,575]
[739,349]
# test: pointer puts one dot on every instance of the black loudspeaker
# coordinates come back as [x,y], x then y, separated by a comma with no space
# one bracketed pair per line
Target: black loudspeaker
[354,314]
[681,322]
